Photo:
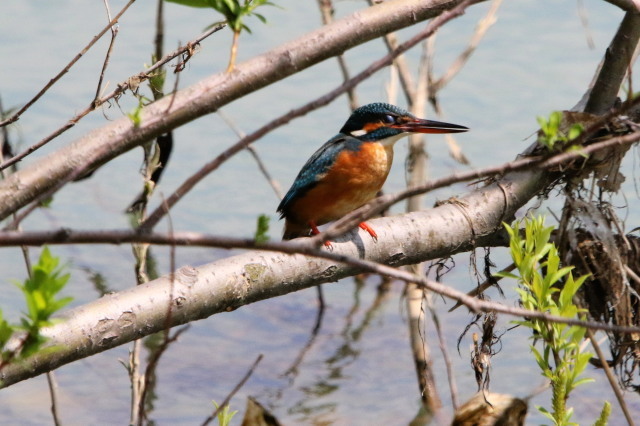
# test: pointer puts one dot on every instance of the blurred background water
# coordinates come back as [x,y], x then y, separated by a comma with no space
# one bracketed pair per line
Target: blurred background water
[359,370]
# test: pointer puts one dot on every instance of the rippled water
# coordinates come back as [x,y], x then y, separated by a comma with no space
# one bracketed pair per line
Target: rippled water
[358,369]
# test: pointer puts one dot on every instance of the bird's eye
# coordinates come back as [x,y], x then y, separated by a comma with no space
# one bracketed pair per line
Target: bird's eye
[389,119]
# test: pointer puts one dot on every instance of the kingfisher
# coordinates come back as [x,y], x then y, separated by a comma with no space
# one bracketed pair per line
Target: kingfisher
[350,168]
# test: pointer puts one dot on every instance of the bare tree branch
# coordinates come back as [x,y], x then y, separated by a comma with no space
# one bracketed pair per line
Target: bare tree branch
[230,283]
[66,69]
[326,11]
[626,5]
[131,83]
[617,63]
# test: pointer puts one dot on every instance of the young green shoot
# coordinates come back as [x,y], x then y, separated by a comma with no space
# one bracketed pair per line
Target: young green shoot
[262,229]
[40,291]
[234,12]
[545,286]
[224,415]
[551,134]
[136,115]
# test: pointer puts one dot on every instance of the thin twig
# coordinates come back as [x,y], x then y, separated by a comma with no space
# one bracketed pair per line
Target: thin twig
[51,379]
[327,12]
[451,378]
[478,290]
[307,247]
[416,165]
[137,383]
[293,368]
[51,82]
[400,63]
[159,39]
[114,33]
[152,175]
[129,84]
[263,169]
[233,392]
[584,20]
[152,365]
[53,392]
[481,29]
[613,381]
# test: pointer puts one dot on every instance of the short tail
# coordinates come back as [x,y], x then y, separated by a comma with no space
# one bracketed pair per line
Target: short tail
[294,230]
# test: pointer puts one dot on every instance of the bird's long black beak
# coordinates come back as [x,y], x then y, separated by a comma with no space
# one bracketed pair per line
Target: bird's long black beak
[430,126]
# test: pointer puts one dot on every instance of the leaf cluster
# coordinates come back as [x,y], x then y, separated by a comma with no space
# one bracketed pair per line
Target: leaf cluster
[551,134]
[547,287]
[41,291]
[225,414]
[262,229]
[233,11]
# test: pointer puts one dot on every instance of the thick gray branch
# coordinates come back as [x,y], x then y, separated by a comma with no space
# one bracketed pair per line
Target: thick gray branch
[616,64]
[208,95]
[229,283]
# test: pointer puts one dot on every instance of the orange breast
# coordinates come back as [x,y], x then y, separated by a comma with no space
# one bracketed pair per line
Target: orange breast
[354,179]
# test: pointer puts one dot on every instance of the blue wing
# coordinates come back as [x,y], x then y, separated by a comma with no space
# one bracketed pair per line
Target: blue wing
[316,166]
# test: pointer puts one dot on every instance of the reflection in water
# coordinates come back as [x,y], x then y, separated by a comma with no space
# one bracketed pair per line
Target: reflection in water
[313,407]
[292,371]
[98,280]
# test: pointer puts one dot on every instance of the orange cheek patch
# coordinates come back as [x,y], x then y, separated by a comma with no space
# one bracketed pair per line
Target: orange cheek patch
[370,127]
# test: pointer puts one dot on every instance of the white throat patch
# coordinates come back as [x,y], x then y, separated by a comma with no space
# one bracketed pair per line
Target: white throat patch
[393,139]
[357,133]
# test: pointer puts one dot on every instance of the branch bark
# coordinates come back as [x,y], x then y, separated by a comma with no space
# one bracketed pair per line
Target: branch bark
[618,60]
[229,283]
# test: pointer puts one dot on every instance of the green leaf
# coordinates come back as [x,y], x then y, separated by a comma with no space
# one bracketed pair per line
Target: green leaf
[542,121]
[554,120]
[546,413]
[575,131]
[262,229]
[557,276]
[224,415]
[542,363]
[582,381]
[604,415]
[575,148]
[6,331]
[40,292]
[546,286]
[192,3]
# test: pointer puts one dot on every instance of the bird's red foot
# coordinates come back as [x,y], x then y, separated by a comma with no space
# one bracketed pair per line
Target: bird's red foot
[316,231]
[369,229]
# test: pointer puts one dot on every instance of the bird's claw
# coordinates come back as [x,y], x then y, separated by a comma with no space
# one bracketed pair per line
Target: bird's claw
[366,227]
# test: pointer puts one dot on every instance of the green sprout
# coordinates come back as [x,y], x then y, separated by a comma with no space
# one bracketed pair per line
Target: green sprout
[40,291]
[551,132]
[224,415]
[234,12]
[136,115]
[262,229]
[547,287]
